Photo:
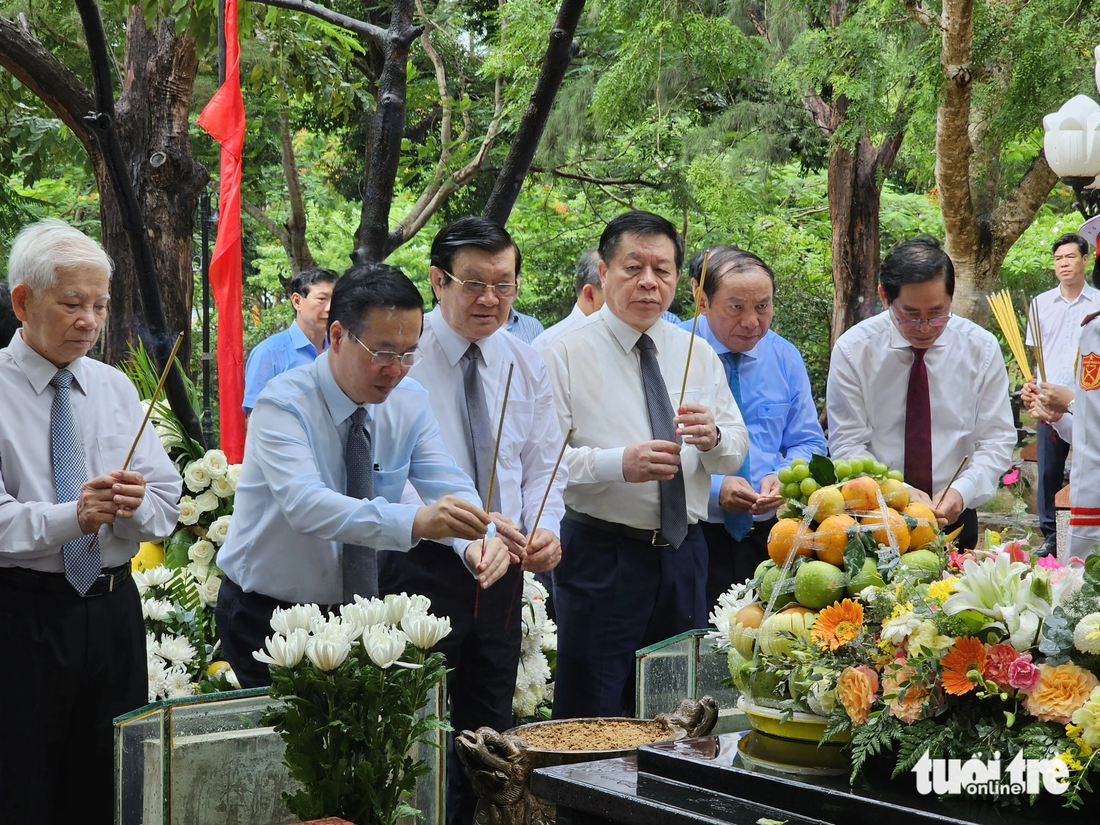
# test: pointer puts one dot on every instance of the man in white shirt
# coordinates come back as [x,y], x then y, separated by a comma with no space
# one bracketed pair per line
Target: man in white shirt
[1059,312]
[70,521]
[920,389]
[467,354]
[634,561]
[589,294]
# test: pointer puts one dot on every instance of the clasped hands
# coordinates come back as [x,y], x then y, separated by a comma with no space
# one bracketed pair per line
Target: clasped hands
[658,460]
[108,497]
[1047,404]
[738,496]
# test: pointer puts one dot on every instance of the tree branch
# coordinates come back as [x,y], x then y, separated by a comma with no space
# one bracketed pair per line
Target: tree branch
[757,17]
[919,11]
[559,172]
[1018,210]
[267,222]
[376,34]
[300,256]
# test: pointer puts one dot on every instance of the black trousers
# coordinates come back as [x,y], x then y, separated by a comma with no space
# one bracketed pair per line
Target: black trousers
[482,651]
[968,538]
[732,561]
[614,596]
[74,664]
[1053,452]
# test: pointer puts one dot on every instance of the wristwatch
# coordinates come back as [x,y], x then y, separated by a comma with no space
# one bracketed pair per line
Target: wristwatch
[1069,406]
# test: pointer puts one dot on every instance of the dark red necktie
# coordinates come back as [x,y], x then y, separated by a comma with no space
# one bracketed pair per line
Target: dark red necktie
[918,426]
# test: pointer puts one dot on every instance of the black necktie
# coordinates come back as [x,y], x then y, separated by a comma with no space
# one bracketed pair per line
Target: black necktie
[674,523]
[360,564]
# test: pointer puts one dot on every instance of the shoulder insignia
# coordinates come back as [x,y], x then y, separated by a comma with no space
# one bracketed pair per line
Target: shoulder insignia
[1090,318]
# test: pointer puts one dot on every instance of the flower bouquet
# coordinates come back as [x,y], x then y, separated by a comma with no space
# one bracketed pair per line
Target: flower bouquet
[353,687]
[533,695]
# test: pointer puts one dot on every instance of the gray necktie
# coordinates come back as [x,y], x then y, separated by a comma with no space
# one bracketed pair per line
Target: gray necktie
[674,522]
[360,564]
[82,557]
[477,419]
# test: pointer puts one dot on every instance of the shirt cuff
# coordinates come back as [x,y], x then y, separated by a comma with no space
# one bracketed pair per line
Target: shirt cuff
[609,465]
[62,524]
[965,488]
[397,526]
[715,513]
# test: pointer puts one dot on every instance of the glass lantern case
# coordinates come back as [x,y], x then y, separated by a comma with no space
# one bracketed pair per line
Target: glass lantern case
[686,667]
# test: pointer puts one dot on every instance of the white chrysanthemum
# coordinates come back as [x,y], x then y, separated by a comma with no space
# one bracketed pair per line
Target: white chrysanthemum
[418,605]
[549,641]
[385,645]
[898,628]
[176,649]
[140,580]
[152,646]
[535,669]
[1086,636]
[156,610]
[158,576]
[201,552]
[328,650]
[298,617]
[319,623]
[729,605]
[374,610]
[196,477]
[158,675]
[396,605]
[425,630]
[283,651]
[215,463]
[189,511]
[222,487]
[208,590]
[207,502]
[177,683]
[525,701]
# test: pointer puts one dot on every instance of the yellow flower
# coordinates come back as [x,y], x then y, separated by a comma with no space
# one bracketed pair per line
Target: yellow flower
[927,636]
[1061,692]
[1071,763]
[1086,722]
[942,589]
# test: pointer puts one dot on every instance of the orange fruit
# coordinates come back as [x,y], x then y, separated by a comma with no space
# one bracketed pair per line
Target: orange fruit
[897,526]
[861,493]
[925,532]
[781,541]
[751,615]
[829,501]
[832,538]
[895,493]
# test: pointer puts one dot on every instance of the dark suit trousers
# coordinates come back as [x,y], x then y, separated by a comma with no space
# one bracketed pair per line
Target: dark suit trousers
[482,652]
[615,595]
[74,664]
[732,561]
[1053,452]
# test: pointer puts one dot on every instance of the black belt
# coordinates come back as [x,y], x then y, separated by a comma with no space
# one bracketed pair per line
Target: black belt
[652,537]
[110,579]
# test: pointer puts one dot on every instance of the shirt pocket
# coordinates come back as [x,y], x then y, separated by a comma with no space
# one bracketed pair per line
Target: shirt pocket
[112,450]
[389,484]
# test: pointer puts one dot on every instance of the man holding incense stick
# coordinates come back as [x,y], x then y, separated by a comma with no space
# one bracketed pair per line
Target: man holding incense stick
[70,521]
[482,381]
[919,388]
[634,561]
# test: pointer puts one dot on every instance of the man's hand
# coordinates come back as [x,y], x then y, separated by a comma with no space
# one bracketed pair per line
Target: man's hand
[510,535]
[1041,413]
[695,424]
[919,496]
[450,517]
[651,461]
[95,506]
[949,511]
[128,490]
[543,552]
[1055,398]
[490,558]
[1029,394]
[769,496]
[736,495]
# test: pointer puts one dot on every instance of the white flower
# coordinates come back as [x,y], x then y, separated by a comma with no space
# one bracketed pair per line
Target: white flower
[1002,590]
[156,610]
[177,683]
[218,531]
[234,475]
[898,628]
[208,591]
[283,651]
[549,642]
[152,646]
[231,677]
[222,487]
[176,649]
[425,630]
[140,580]
[215,464]
[396,606]
[285,620]
[158,676]
[207,502]
[355,617]
[385,645]
[867,594]
[374,608]
[725,612]
[534,670]
[822,696]
[201,552]
[196,477]
[328,650]
[199,572]
[418,605]
[189,511]
[1086,636]
[159,575]
[525,701]
[168,437]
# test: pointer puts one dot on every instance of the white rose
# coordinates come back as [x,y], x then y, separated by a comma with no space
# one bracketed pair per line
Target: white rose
[219,529]
[201,552]
[196,477]
[208,591]
[234,475]
[199,571]
[222,487]
[189,511]
[215,463]
[207,502]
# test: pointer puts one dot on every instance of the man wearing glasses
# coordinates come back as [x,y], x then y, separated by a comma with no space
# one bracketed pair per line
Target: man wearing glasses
[330,448]
[467,356]
[920,389]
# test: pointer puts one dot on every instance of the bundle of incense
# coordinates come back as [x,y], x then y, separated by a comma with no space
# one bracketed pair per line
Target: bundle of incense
[493,469]
[1037,341]
[1005,314]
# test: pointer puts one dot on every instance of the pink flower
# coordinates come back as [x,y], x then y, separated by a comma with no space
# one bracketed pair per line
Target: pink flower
[1049,563]
[1022,674]
[999,659]
[1016,552]
[1011,477]
[956,560]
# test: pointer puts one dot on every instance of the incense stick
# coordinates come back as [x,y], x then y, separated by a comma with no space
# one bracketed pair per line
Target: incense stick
[1037,338]
[493,470]
[1005,314]
[958,470]
[153,401]
[694,324]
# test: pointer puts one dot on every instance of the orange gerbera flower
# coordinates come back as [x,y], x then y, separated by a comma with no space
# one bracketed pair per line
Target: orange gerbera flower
[838,624]
[965,655]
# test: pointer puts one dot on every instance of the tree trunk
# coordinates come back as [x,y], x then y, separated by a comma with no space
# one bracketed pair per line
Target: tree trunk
[298,250]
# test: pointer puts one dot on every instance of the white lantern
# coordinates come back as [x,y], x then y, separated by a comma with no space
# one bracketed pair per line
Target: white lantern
[1072,141]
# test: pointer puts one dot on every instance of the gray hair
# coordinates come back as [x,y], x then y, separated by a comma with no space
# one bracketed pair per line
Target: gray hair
[588,271]
[42,248]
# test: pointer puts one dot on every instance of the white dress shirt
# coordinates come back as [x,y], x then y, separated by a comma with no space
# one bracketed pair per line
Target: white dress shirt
[597,380]
[107,411]
[291,515]
[968,390]
[1060,327]
[552,334]
[531,439]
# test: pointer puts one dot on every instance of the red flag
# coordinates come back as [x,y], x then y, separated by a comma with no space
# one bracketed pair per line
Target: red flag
[223,118]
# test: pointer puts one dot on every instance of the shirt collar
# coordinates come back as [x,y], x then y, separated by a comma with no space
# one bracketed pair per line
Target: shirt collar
[340,407]
[897,340]
[627,336]
[454,345]
[299,340]
[40,371]
[703,330]
[577,314]
[1087,293]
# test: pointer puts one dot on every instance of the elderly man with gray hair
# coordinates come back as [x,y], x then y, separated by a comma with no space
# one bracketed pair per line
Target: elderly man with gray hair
[70,521]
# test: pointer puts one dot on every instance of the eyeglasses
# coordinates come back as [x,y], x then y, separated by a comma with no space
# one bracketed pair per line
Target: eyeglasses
[388,359]
[938,322]
[476,289]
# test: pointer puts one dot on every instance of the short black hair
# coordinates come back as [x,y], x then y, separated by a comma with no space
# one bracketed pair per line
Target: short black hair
[915,261]
[724,260]
[9,324]
[476,231]
[588,271]
[637,222]
[301,283]
[1073,238]
[366,286]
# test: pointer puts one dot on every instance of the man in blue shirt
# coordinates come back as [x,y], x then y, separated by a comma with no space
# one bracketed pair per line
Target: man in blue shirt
[525,327]
[768,378]
[298,344]
[301,533]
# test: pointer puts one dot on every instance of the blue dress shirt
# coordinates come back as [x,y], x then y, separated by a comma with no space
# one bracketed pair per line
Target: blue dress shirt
[525,327]
[275,355]
[291,514]
[778,409]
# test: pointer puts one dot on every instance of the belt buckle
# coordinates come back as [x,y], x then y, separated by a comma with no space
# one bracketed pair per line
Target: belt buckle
[653,539]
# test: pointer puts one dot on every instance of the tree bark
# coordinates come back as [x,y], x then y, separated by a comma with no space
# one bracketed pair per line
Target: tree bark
[298,250]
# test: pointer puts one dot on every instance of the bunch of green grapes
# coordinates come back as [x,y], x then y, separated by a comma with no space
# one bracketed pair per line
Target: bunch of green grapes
[795,482]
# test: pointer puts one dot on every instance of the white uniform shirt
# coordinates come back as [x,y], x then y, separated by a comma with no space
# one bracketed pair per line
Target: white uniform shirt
[596,374]
[570,321]
[33,526]
[531,439]
[1060,326]
[968,390]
